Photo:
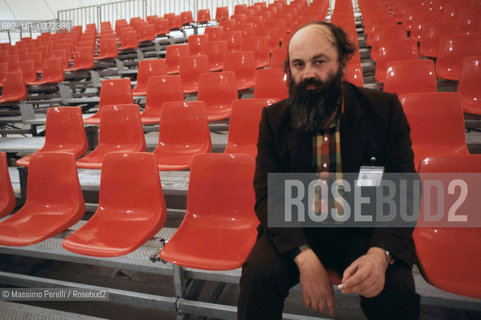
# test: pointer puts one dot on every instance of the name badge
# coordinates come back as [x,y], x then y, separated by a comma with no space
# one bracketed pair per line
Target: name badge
[370,176]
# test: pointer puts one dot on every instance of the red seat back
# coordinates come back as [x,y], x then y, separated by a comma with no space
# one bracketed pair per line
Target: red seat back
[391,50]
[218,213]
[161,89]
[190,69]
[410,76]
[449,257]
[54,201]
[469,85]
[14,88]
[147,69]
[131,207]
[173,55]
[437,123]
[271,83]
[452,51]
[244,125]
[64,132]
[243,63]
[7,197]
[217,90]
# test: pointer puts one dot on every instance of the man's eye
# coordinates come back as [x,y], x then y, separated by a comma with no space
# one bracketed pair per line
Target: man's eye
[320,61]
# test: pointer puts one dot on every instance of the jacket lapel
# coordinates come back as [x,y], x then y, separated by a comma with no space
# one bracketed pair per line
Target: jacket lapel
[353,132]
[300,151]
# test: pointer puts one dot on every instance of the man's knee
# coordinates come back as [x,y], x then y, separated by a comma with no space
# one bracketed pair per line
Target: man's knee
[268,271]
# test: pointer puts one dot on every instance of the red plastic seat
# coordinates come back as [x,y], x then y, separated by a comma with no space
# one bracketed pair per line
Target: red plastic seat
[7,196]
[3,69]
[271,83]
[392,32]
[217,234]
[14,88]
[160,89]
[437,124]
[247,29]
[431,33]
[131,207]
[183,133]
[221,13]
[120,130]
[215,51]
[147,33]
[449,257]
[452,51]
[420,20]
[64,132]
[52,72]
[83,59]
[217,90]
[243,63]
[354,74]
[228,25]
[203,15]
[273,37]
[410,76]
[128,40]
[233,38]
[173,54]
[260,47]
[244,125]
[214,33]
[468,17]
[186,17]
[112,91]
[147,69]
[190,69]
[28,69]
[13,63]
[240,8]
[469,85]
[196,42]
[278,58]
[175,22]
[62,54]
[392,50]
[54,201]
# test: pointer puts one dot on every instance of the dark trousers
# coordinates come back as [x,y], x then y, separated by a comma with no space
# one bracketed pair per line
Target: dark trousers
[268,275]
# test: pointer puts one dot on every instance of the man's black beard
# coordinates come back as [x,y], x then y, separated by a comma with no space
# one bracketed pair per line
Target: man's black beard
[313,108]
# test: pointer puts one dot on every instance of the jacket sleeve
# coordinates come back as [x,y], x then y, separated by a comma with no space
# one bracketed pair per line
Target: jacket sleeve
[399,159]
[284,238]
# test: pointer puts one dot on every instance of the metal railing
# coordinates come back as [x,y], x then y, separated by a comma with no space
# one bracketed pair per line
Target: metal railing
[142,8]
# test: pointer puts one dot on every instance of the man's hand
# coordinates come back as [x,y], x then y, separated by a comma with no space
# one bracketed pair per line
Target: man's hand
[366,275]
[315,282]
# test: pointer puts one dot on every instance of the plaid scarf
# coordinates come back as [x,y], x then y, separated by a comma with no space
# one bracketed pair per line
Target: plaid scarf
[327,159]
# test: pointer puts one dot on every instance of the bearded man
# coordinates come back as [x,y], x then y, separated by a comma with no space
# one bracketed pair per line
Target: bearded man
[328,125]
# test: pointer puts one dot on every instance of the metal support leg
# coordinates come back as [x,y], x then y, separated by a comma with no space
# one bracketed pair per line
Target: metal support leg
[23,173]
[92,133]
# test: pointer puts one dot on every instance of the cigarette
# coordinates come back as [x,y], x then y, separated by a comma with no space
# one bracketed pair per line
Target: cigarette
[339,286]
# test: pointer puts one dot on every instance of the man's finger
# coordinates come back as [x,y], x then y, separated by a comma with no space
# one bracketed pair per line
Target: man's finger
[350,271]
[355,279]
[321,306]
[330,305]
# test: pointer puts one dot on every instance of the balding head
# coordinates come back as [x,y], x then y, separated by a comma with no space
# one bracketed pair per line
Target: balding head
[331,36]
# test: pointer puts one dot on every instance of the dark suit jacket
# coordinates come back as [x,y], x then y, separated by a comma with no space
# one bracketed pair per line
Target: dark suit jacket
[373,125]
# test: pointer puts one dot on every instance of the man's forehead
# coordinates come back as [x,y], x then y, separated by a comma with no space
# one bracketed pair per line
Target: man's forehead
[313,32]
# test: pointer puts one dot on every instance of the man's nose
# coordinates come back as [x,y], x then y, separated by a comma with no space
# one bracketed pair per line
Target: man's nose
[308,73]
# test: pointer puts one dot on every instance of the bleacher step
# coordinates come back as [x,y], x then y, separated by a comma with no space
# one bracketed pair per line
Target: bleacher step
[15,311]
